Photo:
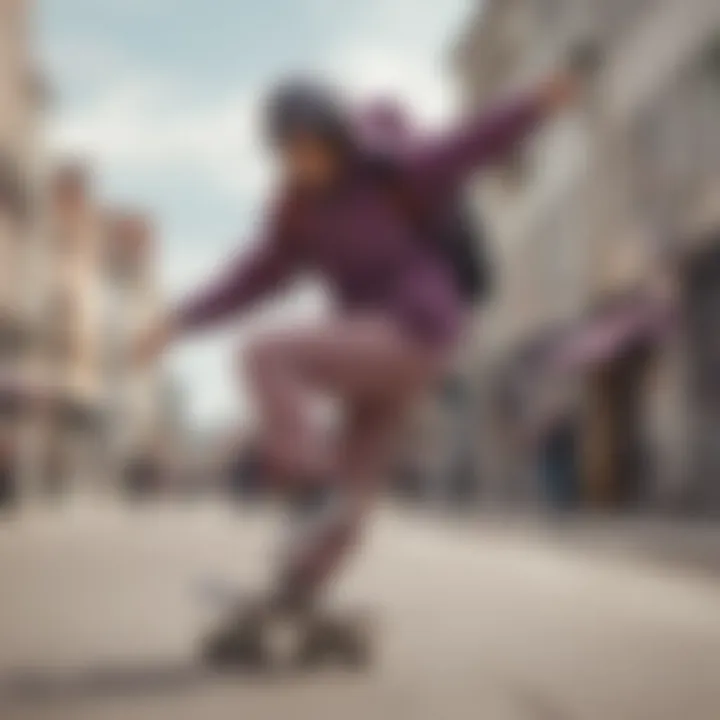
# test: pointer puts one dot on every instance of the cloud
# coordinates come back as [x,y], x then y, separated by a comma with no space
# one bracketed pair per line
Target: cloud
[398,48]
[147,125]
[370,70]
[136,122]
[82,61]
[141,123]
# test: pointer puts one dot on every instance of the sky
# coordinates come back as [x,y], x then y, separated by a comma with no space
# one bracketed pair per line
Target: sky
[161,97]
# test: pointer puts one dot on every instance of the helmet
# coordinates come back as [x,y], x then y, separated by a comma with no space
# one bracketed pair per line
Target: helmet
[306,106]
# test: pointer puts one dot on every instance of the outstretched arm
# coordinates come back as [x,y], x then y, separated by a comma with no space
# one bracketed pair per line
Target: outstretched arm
[247,279]
[448,160]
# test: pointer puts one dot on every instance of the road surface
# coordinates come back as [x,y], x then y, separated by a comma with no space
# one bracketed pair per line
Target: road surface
[99,613]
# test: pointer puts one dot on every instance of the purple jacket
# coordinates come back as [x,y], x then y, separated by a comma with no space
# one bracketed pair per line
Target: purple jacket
[358,242]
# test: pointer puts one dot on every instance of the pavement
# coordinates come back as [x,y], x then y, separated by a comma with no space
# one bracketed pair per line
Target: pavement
[689,545]
[100,615]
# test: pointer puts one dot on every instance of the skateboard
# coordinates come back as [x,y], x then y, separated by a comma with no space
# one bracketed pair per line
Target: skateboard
[254,637]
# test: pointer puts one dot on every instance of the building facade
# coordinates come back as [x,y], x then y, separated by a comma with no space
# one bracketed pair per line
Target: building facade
[21,100]
[71,337]
[77,283]
[102,412]
[134,394]
[591,222]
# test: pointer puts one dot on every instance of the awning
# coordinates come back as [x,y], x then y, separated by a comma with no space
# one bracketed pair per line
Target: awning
[611,333]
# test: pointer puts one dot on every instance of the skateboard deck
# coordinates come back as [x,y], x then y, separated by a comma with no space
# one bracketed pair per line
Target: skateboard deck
[250,635]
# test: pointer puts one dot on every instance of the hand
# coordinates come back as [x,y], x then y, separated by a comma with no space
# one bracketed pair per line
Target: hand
[560,91]
[154,341]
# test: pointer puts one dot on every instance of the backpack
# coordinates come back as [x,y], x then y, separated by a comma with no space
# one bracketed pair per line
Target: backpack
[463,241]
[457,235]
[453,233]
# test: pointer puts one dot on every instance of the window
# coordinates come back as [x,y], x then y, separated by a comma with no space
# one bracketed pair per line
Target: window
[622,16]
[515,170]
[711,60]
[13,193]
[59,327]
[10,406]
[37,89]
[550,12]
[11,338]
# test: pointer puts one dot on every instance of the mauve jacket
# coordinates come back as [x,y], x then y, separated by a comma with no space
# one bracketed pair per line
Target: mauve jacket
[357,239]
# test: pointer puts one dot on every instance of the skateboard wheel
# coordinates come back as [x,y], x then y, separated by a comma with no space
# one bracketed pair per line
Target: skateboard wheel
[222,653]
[346,642]
[235,645]
[356,648]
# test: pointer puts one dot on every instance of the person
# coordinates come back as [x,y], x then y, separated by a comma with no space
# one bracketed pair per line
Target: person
[399,311]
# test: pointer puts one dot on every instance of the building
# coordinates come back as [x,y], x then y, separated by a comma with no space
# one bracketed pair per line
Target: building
[21,100]
[77,283]
[590,219]
[71,332]
[134,395]
[102,416]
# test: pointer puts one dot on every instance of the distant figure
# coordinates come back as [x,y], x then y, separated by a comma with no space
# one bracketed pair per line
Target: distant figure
[141,477]
[558,464]
[7,483]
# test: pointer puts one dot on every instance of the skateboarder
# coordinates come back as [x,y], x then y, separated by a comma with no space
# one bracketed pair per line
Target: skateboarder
[399,305]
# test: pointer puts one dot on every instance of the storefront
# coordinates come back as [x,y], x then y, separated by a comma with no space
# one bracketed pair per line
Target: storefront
[15,405]
[615,352]
[574,408]
[8,453]
[532,415]
[701,321]
[76,451]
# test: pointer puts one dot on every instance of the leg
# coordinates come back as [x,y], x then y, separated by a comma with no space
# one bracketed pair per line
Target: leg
[363,456]
[362,360]
[368,434]
[374,369]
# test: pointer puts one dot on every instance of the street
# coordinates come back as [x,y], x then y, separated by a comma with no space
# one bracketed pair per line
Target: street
[101,610]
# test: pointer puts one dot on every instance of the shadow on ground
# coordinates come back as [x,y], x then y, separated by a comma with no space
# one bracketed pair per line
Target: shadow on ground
[112,681]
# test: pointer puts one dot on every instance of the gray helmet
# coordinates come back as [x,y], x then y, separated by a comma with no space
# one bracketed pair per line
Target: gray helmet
[306,106]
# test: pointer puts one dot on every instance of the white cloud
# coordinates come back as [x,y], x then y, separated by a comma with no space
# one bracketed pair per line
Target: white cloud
[146,125]
[86,61]
[140,123]
[400,47]
[371,70]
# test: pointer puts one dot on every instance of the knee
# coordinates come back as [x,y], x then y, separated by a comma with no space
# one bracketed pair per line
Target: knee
[260,357]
